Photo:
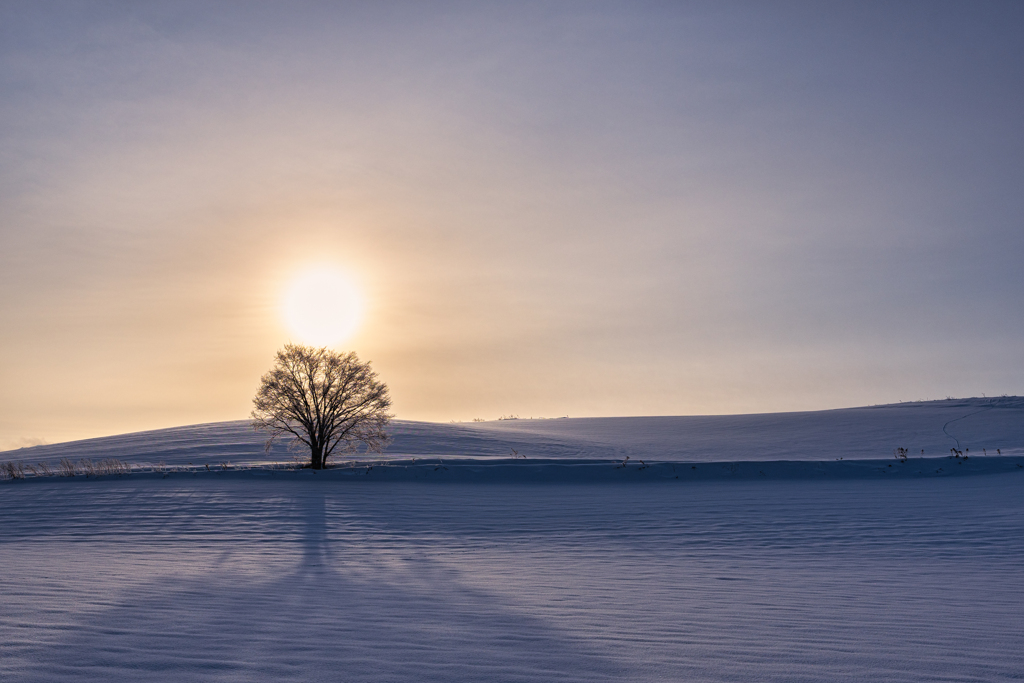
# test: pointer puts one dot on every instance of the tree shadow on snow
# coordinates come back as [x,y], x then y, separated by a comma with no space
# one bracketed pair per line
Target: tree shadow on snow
[347,610]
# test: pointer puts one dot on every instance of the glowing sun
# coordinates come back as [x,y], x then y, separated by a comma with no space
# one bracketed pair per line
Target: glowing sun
[322,307]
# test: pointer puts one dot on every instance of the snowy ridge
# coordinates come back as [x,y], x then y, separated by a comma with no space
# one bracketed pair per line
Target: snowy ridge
[469,470]
[978,427]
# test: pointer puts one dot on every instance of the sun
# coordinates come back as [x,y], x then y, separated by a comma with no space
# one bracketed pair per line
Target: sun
[322,306]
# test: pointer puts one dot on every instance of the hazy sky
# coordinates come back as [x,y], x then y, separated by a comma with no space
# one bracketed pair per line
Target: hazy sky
[551,208]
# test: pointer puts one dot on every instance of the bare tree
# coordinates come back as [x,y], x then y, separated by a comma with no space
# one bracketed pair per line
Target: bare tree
[329,401]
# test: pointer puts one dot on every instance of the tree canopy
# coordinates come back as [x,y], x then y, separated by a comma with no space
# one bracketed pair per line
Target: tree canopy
[331,402]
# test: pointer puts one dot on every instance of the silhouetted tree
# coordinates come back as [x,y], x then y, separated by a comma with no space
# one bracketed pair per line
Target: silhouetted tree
[329,401]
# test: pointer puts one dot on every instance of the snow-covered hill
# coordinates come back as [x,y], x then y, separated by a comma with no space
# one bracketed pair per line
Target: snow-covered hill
[975,425]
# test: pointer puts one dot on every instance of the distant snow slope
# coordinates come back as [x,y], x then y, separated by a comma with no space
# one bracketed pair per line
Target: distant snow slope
[853,433]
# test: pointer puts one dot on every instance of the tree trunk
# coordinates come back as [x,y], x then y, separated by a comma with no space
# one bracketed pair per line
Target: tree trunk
[317,463]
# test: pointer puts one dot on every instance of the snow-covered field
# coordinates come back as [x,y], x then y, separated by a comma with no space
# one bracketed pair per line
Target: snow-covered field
[557,567]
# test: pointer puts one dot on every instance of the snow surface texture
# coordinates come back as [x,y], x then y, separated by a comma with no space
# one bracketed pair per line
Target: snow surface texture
[206,579]
[899,573]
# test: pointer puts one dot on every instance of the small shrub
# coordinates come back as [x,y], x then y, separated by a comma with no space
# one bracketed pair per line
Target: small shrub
[87,467]
[66,468]
[45,470]
[900,453]
[12,470]
[112,466]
